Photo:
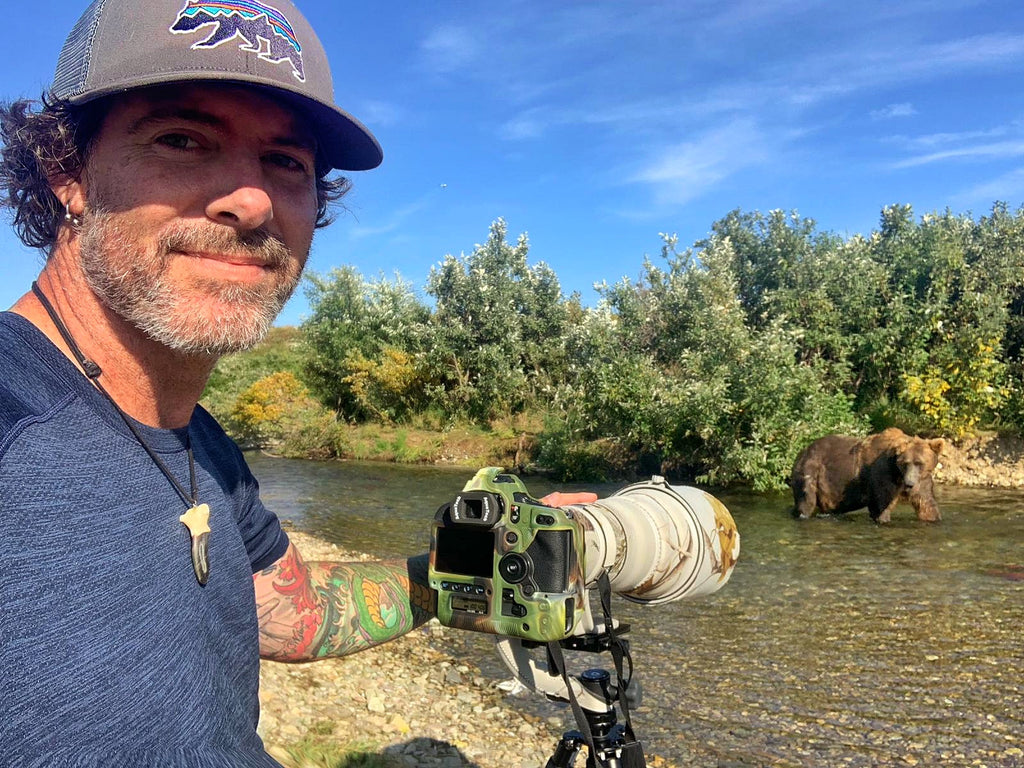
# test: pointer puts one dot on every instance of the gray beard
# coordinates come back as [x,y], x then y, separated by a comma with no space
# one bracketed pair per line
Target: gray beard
[134,284]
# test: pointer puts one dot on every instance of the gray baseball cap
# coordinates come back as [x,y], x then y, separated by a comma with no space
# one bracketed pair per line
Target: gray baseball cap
[120,45]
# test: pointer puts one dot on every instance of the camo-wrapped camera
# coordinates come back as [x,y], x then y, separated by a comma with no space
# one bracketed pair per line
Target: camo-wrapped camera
[503,562]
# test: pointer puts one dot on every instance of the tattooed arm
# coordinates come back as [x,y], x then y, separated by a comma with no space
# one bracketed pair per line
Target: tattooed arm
[311,610]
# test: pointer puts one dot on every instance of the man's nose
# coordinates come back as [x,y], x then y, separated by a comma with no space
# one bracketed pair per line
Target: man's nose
[244,201]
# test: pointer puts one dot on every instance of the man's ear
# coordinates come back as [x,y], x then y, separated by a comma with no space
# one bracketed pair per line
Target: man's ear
[71,193]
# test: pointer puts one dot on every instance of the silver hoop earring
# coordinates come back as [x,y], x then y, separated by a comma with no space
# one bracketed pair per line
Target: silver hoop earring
[70,218]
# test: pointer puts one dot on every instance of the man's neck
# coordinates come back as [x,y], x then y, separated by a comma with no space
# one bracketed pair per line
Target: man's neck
[149,381]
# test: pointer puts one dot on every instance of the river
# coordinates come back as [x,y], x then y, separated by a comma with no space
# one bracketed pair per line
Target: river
[837,642]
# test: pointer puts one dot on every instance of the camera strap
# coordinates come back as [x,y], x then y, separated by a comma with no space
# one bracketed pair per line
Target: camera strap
[619,650]
[556,661]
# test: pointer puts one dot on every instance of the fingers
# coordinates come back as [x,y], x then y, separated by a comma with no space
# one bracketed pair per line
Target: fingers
[559,499]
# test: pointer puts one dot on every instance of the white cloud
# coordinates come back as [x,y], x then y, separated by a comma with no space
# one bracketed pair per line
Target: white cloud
[864,66]
[684,171]
[449,48]
[1009,188]
[522,127]
[392,220]
[989,151]
[377,114]
[980,49]
[904,109]
[931,140]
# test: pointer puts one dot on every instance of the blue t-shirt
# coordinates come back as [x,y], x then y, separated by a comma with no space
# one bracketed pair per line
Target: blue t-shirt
[111,653]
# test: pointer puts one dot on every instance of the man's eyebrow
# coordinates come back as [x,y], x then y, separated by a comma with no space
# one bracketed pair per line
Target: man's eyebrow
[296,140]
[163,114]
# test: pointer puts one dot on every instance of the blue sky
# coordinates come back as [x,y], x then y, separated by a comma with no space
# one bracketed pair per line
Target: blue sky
[595,126]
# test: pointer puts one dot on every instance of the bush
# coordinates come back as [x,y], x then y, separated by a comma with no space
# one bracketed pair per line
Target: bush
[679,378]
[281,351]
[278,411]
[497,334]
[357,329]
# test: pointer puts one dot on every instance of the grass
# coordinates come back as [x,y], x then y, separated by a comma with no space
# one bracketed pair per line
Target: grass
[462,444]
[320,751]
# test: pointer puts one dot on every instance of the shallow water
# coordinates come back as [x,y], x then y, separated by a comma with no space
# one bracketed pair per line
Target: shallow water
[836,641]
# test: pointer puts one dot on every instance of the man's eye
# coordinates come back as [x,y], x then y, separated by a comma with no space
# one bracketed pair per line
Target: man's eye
[286,162]
[177,141]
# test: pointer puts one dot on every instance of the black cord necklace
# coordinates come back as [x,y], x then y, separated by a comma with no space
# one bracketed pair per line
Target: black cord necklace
[196,519]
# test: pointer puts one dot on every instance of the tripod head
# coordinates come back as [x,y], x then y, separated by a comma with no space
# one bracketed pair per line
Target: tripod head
[592,694]
[611,744]
[543,677]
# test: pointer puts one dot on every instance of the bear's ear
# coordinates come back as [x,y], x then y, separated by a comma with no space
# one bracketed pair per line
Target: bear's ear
[937,445]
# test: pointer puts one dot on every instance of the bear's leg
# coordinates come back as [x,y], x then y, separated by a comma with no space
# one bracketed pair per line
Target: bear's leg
[923,501]
[805,497]
[880,510]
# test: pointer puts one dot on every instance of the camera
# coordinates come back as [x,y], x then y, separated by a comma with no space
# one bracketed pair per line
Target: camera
[505,563]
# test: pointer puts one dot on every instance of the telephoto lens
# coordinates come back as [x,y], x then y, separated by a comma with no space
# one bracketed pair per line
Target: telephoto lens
[659,542]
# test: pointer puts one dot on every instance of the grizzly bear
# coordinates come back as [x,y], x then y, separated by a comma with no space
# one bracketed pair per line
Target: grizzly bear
[839,474]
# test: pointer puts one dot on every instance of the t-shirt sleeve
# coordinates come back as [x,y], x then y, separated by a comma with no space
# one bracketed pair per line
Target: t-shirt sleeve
[265,540]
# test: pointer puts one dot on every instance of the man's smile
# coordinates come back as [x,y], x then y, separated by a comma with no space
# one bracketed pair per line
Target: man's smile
[234,266]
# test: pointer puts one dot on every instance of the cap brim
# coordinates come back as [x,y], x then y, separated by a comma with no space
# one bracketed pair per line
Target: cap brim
[346,143]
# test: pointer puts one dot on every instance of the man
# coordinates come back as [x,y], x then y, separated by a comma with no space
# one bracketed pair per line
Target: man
[174,175]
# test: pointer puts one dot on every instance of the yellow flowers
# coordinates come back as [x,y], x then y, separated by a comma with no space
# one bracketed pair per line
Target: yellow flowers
[956,397]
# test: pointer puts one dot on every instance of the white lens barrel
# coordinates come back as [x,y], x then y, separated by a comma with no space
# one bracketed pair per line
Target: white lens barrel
[659,542]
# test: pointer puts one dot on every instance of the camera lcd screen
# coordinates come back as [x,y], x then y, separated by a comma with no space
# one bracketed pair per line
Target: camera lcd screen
[465,551]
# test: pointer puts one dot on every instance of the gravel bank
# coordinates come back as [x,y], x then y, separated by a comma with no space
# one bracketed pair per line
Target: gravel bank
[990,462]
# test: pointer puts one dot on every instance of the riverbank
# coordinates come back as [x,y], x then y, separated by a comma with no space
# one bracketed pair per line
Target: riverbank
[408,703]
[986,461]
[981,461]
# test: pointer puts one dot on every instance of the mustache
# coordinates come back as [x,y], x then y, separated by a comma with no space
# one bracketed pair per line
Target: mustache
[259,243]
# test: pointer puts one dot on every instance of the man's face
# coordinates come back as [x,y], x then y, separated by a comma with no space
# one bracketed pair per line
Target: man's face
[200,205]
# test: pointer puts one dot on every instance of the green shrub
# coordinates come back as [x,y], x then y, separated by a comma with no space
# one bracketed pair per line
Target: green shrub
[278,411]
[282,350]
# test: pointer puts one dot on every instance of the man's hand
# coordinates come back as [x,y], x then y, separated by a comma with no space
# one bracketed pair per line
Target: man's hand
[559,499]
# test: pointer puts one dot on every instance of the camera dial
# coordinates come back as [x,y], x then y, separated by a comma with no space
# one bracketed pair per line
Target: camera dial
[513,567]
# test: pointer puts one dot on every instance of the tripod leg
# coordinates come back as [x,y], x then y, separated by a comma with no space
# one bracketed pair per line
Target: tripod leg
[566,751]
[633,755]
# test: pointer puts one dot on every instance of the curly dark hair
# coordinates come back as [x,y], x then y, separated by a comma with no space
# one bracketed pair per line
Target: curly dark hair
[50,139]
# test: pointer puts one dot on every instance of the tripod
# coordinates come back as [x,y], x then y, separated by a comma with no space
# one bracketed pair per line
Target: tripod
[613,745]
[592,695]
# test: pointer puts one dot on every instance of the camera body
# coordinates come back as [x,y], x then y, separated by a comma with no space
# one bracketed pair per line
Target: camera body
[503,562]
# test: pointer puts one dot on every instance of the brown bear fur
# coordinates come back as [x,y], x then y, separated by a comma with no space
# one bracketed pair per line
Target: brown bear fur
[839,474]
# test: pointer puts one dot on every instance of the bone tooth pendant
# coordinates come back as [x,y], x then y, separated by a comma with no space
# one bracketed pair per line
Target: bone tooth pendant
[197,520]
